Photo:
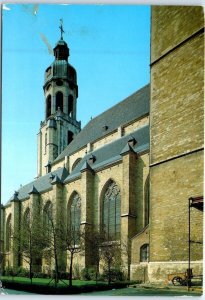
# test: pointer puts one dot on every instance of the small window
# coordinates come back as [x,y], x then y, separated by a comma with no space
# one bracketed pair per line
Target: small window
[76,163]
[48,106]
[45,142]
[69,137]
[59,101]
[144,253]
[70,106]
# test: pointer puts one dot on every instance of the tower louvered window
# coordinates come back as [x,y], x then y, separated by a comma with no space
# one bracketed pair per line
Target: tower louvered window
[111,212]
[75,217]
[48,106]
[59,101]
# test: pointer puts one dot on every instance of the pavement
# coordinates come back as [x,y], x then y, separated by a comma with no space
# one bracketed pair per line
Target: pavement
[170,287]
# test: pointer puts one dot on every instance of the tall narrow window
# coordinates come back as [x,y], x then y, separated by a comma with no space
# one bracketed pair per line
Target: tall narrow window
[59,101]
[48,222]
[45,143]
[48,106]
[111,211]
[69,137]
[146,201]
[144,253]
[26,230]
[75,218]
[8,233]
[70,106]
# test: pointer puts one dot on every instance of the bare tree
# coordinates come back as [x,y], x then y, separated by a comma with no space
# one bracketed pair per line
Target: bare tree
[95,240]
[53,240]
[110,252]
[30,240]
[73,243]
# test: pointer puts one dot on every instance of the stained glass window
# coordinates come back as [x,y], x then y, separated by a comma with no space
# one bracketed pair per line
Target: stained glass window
[111,211]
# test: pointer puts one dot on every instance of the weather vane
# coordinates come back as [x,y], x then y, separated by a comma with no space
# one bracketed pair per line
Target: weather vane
[61,28]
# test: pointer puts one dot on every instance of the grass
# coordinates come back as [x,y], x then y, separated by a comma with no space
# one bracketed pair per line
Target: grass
[48,287]
[45,281]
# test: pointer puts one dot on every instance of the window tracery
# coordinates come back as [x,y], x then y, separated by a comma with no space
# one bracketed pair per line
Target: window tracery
[111,211]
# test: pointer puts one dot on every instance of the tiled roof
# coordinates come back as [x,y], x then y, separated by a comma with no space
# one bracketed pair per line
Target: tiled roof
[41,184]
[133,107]
[112,152]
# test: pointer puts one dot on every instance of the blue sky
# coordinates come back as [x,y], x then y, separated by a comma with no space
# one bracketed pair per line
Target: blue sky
[109,48]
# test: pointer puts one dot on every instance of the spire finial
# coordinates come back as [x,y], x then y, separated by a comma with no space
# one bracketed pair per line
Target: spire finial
[61,28]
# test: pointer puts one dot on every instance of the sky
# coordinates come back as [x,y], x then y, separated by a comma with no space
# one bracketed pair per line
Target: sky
[109,48]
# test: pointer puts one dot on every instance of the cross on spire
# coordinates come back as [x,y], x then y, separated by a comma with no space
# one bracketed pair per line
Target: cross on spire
[61,28]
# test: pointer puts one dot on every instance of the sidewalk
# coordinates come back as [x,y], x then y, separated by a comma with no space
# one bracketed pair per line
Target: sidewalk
[170,287]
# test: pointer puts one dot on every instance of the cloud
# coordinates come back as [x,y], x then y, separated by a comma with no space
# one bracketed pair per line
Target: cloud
[49,47]
[31,9]
[6,7]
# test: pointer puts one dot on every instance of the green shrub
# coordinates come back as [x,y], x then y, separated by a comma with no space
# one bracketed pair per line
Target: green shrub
[22,272]
[40,275]
[115,275]
[84,274]
[9,271]
[64,275]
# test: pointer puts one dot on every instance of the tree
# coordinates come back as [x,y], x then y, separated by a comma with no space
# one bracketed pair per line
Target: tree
[53,238]
[30,240]
[110,252]
[95,239]
[73,243]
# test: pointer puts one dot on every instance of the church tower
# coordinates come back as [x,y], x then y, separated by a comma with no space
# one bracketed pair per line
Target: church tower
[60,92]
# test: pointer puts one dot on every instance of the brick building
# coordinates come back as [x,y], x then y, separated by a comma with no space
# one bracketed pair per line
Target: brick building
[131,169]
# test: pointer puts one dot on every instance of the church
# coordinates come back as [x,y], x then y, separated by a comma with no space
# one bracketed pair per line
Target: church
[136,169]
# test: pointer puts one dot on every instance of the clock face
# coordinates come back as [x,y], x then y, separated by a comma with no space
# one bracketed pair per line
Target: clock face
[59,82]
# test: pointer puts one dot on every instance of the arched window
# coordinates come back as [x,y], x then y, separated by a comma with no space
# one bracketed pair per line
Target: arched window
[76,163]
[69,137]
[70,106]
[26,230]
[146,201]
[48,106]
[8,233]
[45,142]
[48,222]
[144,253]
[111,211]
[75,217]
[59,101]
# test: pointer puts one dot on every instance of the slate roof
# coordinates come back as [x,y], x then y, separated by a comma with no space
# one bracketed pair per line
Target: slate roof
[111,152]
[133,107]
[41,184]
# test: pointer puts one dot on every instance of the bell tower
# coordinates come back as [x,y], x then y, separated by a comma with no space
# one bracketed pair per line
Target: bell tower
[60,93]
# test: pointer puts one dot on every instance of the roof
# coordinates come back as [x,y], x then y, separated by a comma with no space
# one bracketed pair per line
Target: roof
[112,152]
[40,185]
[130,109]
[103,156]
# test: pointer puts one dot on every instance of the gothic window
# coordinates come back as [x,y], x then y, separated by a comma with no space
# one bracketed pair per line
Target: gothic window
[70,105]
[69,137]
[47,222]
[48,106]
[144,253]
[8,233]
[75,217]
[76,163]
[111,211]
[45,142]
[59,101]
[26,227]
[146,201]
